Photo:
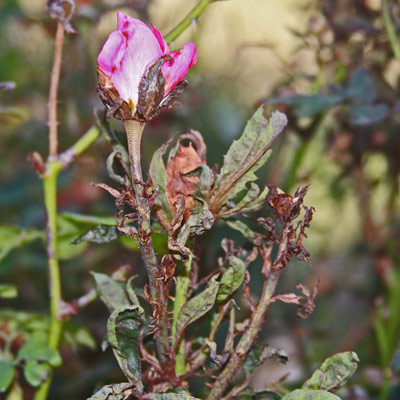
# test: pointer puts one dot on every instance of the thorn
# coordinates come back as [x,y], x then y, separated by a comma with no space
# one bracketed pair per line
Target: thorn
[194,22]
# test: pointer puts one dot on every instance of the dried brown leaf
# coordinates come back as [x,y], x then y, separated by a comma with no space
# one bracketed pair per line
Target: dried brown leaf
[185,161]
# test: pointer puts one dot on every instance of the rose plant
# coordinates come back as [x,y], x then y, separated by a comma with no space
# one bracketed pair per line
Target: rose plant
[150,330]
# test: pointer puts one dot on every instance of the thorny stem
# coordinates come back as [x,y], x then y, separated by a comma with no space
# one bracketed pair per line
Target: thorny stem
[134,131]
[182,286]
[55,79]
[188,20]
[247,340]
[390,29]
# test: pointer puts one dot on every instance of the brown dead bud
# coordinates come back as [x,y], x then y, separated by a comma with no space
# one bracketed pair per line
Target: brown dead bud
[62,11]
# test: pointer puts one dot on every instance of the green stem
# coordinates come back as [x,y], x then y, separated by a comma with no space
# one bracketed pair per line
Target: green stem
[53,168]
[50,200]
[390,29]
[182,286]
[188,20]
[67,157]
[134,131]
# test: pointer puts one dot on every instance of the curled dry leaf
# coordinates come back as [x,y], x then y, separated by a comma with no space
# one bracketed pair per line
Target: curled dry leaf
[179,183]
[306,302]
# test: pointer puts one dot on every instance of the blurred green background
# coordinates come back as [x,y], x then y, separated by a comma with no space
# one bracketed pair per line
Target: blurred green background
[328,64]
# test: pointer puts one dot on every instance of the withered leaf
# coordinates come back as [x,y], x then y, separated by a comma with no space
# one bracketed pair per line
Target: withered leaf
[178,183]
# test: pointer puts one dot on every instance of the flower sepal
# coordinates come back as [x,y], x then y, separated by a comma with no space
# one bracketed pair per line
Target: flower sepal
[116,107]
[151,94]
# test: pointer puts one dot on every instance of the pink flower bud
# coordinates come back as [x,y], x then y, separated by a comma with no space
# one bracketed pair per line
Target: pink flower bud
[138,74]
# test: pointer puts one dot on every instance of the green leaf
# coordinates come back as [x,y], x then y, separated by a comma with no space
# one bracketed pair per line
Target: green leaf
[231,279]
[112,292]
[72,226]
[197,306]
[113,392]
[36,372]
[395,363]
[36,349]
[101,234]
[12,238]
[362,87]
[158,175]
[38,358]
[76,336]
[68,231]
[333,372]
[366,114]
[302,394]
[84,220]
[178,394]
[123,336]
[24,322]
[8,291]
[242,228]
[6,375]
[258,355]
[246,155]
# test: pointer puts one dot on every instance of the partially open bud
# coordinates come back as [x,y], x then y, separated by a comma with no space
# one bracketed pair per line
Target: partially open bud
[138,75]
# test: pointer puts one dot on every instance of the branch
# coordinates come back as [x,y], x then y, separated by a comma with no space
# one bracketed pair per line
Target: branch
[159,301]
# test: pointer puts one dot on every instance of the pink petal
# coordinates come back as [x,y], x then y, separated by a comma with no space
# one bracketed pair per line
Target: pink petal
[176,69]
[161,40]
[112,52]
